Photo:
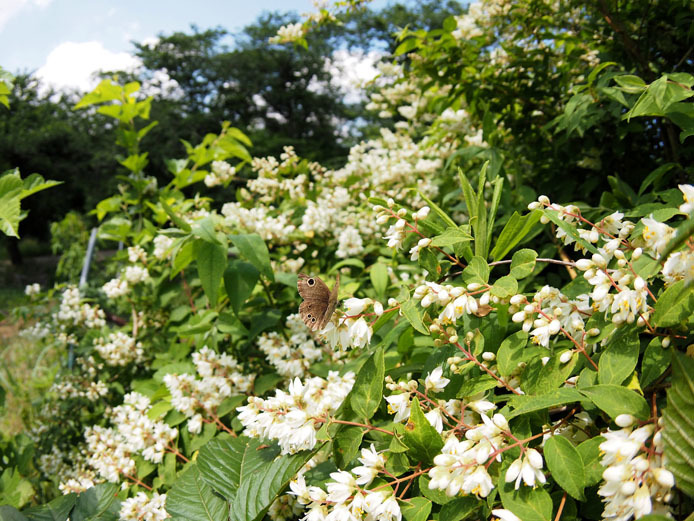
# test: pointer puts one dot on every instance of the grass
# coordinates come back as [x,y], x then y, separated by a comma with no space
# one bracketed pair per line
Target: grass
[27,368]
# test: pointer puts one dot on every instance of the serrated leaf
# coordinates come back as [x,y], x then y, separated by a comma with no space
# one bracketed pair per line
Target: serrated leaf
[256,494]
[523,263]
[616,400]
[553,215]
[192,498]
[346,445]
[590,455]
[253,248]
[678,428]
[566,466]
[416,509]
[367,392]
[504,287]
[419,435]
[225,462]
[56,510]
[410,309]
[450,236]
[476,271]
[524,404]
[379,278]
[674,305]
[511,352]
[210,259]
[656,360]
[619,358]
[459,508]
[240,279]
[97,503]
[513,232]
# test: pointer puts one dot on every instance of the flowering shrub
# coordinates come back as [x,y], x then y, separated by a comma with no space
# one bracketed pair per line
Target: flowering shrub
[485,361]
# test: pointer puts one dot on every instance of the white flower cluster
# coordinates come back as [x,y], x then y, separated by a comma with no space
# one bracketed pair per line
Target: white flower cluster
[136,274]
[293,356]
[162,246]
[70,313]
[120,350]
[293,417]
[220,377]
[352,330]
[347,496]
[221,173]
[32,289]
[115,288]
[110,450]
[137,254]
[36,331]
[636,482]
[144,508]
[288,33]
[460,468]
[456,300]
[79,388]
[549,312]
[72,467]
[261,220]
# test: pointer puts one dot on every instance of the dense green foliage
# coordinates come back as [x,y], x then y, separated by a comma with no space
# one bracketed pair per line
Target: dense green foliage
[495,355]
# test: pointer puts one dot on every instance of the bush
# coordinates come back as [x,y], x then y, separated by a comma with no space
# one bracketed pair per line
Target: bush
[484,360]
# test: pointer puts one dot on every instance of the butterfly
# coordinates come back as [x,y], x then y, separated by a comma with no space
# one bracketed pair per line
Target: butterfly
[319,302]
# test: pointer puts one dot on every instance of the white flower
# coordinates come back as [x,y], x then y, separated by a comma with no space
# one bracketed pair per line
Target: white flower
[342,486]
[32,289]
[435,381]
[656,235]
[526,468]
[360,333]
[356,306]
[399,404]
[688,194]
[505,515]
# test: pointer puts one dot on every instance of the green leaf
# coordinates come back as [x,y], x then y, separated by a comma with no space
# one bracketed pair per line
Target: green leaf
[553,215]
[505,287]
[590,456]
[240,279]
[379,278]
[410,309]
[225,462]
[437,496]
[438,211]
[211,259]
[675,305]
[524,404]
[97,503]
[346,445]
[180,223]
[56,510]
[630,84]
[253,248]
[367,392]
[452,235]
[476,271]
[530,504]
[516,229]
[416,509]
[459,508]
[256,494]
[421,438]
[192,498]
[619,359]
[539,378]
[523,263]
[511,352]
[678,428]
[566,466]
[655,361]
[429,262]
[616,400]
[10,513]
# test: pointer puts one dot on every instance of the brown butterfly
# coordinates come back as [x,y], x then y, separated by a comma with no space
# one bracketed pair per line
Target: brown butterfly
[319,302]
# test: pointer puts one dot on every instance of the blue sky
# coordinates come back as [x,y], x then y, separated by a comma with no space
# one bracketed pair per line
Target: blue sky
[64,39]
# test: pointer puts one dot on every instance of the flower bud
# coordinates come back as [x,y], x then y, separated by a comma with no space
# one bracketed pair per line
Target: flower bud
[666,342]
[637,253]
[565,357]
[584,264]
[378,308]
[625,420]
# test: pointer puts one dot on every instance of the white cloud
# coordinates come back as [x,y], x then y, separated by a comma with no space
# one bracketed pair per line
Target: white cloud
[10,8]
[72,65]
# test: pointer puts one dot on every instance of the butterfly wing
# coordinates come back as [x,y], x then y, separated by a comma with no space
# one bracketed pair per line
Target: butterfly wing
[316,295]
[312,288]
[332,303]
